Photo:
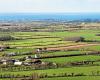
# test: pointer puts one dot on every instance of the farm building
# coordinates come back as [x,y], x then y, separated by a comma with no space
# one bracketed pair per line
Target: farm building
[36,61]
[17,63]
[32,61]
[40,50]
[28,57]
[7,61]
[2,48]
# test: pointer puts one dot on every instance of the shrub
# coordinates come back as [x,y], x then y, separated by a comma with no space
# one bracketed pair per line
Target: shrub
[6,38]
[76,39]
[97,34]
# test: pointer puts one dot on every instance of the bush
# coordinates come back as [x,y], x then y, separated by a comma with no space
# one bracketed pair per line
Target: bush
[97,34]
[6,38]
[76,39]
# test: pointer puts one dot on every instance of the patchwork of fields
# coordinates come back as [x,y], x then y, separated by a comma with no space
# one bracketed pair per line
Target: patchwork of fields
[56,61]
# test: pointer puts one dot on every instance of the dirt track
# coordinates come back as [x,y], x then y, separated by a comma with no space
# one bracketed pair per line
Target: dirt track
[71,47]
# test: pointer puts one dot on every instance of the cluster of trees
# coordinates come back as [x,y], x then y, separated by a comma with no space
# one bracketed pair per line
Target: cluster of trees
[75,39]
[6,38]
[97,34]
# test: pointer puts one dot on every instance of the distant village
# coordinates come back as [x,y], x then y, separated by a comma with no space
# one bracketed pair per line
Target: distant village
[26,61]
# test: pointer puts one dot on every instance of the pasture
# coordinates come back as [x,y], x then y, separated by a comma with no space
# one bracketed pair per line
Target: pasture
[28,42]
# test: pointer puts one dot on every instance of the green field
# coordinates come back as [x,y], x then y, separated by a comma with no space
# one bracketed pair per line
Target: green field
[74,78]
[76,70]
[29,41]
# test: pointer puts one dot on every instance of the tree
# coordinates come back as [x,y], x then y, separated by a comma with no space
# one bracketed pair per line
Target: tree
[6,38]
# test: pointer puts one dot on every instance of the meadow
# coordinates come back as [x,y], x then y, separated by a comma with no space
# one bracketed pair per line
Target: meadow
[30,41]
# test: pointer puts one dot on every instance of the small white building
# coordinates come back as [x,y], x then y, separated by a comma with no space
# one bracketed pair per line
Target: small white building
[39,50]
[1,49]
[4,62]
[18,63]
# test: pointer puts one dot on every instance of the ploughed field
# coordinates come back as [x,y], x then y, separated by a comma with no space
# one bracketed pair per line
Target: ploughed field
[68,60]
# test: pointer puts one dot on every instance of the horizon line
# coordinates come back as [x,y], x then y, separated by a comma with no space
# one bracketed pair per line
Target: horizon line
[48,12]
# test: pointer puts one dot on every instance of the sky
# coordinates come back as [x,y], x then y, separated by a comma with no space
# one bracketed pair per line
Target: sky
[55,6]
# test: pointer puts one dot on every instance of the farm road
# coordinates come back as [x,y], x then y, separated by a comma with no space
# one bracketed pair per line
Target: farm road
[71,47]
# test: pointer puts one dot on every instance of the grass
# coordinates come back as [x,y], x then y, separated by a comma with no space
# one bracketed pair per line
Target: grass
[33,40]
[62,53]
[19,50]
[75,70]
[87,34]
[72,59]
[75,78]
[69,78]
[92,48]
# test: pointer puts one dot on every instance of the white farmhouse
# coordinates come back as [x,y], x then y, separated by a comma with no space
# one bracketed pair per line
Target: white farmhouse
[18,63]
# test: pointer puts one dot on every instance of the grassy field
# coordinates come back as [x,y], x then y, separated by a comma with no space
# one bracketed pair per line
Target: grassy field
[74,78]
[29,41]
[68,78]
[87,70]
[72,59]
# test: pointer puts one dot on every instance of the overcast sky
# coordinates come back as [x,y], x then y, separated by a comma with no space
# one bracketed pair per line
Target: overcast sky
[49,5]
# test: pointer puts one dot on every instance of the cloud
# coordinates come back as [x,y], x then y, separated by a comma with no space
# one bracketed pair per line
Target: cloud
[49,5]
